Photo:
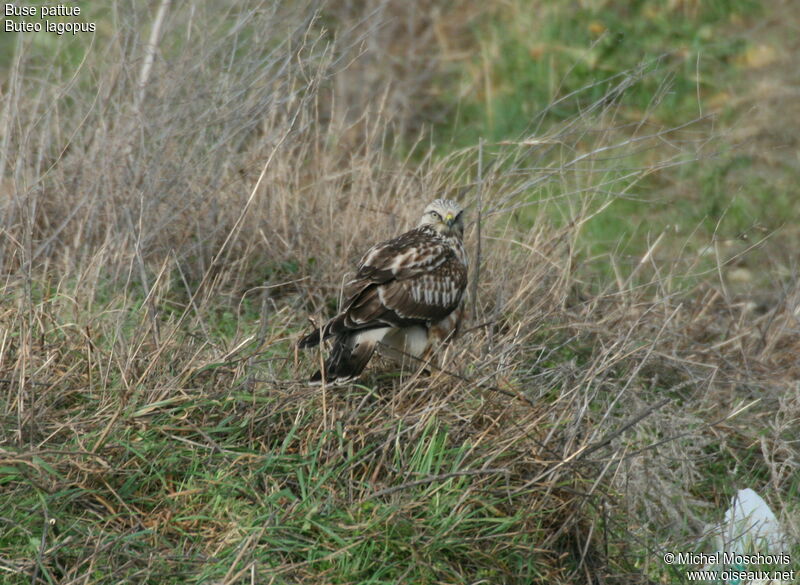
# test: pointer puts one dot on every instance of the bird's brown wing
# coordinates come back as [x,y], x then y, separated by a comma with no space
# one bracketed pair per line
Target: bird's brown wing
[414,278]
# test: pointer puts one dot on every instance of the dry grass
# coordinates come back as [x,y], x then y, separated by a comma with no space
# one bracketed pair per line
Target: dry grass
[165,235]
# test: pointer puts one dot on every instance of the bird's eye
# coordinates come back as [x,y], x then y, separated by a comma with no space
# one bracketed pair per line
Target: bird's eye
[436,215]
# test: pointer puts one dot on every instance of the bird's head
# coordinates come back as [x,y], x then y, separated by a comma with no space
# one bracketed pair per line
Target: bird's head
[445,216]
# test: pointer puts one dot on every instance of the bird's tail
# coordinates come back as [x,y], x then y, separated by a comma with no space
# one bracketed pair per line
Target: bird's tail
[348,358]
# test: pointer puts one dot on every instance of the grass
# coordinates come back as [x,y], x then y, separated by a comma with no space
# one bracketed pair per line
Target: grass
[166,234]
[537,64]
[545,62]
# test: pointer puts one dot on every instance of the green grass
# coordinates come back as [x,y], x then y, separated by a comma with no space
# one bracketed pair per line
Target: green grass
[534,55]
[540,64]
[185,476]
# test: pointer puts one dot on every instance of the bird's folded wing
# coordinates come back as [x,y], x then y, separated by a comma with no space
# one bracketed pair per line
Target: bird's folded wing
[416,295]
[403,257]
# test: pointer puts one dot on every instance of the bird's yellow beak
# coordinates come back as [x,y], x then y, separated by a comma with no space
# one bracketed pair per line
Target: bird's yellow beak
[448,219]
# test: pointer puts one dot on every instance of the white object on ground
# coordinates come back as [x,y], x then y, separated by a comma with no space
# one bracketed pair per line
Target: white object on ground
[750,527]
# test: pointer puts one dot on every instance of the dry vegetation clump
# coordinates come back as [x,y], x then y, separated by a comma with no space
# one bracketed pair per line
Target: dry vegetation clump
[167,231]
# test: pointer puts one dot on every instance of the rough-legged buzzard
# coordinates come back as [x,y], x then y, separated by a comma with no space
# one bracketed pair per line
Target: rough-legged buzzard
[407,291]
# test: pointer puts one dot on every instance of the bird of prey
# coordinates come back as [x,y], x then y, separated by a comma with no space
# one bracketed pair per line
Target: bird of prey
[406,292]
